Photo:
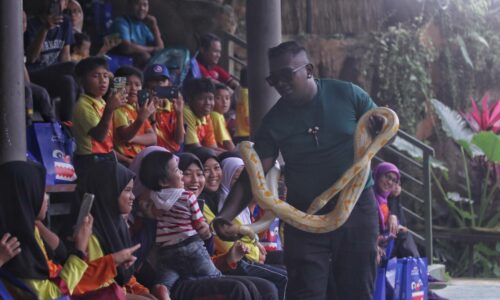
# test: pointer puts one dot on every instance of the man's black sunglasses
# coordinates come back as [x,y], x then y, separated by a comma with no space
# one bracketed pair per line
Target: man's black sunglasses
[283,75]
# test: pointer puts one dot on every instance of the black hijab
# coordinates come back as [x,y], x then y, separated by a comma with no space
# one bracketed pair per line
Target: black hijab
[210,198]
[23,187]
[106,180]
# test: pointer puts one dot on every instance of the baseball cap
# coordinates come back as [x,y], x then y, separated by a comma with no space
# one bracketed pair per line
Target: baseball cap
[156,71]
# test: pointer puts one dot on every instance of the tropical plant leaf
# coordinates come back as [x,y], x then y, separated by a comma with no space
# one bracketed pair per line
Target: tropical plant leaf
[476,36]
[416,153]
[489,143]
[455,127]
[464,51]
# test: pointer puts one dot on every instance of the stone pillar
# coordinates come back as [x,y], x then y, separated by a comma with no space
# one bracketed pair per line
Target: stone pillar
[263,31]
[12,107]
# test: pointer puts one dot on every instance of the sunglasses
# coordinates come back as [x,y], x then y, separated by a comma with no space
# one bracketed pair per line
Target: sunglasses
[284,75]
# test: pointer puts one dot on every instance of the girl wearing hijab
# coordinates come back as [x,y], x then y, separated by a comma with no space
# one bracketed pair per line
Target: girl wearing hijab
[387,189]
[112,183]
[24,202]
[213,194]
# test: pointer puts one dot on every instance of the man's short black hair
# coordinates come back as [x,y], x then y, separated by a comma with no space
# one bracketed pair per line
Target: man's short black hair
[291,47]
[197,86]
[79,37]
[153,169]
[207,39]
[89,64]
[126,71]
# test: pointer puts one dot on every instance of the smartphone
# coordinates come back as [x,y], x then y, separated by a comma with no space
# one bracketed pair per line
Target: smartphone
[142,97]
[85,207]
[169,92]
[119,84]
[55,8]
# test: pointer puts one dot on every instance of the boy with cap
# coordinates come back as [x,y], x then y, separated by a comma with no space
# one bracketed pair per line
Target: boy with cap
[169,119]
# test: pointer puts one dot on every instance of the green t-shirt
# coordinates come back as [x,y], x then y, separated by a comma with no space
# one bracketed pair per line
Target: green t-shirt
[311,167]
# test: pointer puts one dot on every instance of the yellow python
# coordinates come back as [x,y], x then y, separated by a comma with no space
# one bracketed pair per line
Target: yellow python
[350,185]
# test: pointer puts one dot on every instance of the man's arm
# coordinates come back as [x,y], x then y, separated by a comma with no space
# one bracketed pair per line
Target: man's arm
[35,48]
[65,54]
[239,198]
[153,25]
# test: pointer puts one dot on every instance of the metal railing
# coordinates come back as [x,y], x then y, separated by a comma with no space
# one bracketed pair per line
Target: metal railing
[228,59]
[422,180]
[416,180]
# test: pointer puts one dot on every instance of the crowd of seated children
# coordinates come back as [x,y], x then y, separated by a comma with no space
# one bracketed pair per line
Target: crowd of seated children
[169,117]
[228,287]
[47,43]
[222,104]
[132,130]
[93,116]
[208,59]
[199,95]
[139,32]
[181,227]
[253,262]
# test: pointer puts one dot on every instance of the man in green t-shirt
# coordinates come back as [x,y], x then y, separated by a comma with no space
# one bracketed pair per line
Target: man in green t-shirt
[313,126]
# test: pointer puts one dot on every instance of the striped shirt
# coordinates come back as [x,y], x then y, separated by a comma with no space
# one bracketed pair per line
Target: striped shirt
[179,221]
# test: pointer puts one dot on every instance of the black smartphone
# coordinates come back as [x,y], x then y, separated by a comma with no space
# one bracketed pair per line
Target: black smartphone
[169,92]
[142,97]
[55,8]
[85,207]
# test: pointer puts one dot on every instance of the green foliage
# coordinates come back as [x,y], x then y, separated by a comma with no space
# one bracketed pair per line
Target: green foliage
[489,143]
[399,64]
[471,60]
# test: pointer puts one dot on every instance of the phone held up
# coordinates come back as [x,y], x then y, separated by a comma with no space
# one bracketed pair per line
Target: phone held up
[55,8]
[85,207]
[168,92]
[142,97]
[119,84]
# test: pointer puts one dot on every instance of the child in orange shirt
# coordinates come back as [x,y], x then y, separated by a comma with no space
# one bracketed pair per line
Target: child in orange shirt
[132,130]
[168,119]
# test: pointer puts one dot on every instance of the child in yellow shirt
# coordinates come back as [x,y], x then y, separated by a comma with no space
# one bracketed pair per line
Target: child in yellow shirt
[222,104]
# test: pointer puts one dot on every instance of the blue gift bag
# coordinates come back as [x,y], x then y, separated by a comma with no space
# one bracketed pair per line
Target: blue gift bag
[407,278]
[51,146]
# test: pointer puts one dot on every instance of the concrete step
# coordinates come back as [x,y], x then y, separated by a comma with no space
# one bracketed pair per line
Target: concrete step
[470,289]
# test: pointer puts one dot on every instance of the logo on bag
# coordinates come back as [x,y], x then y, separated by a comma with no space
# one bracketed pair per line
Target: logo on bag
[417,286]
[64,169]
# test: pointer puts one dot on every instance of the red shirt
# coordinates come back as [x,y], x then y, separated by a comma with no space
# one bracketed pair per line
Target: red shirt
[215,72]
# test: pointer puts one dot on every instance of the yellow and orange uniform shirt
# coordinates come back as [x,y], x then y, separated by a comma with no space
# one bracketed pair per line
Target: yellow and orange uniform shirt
[242,115]
[198,130]
[86,115]
[220,129]
[166,125]
[124,117]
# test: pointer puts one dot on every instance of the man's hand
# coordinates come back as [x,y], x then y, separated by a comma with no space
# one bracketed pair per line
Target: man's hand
[50,22]
[9,247]
[226,230]
[151,21]
[375,124]
[203,230]
[125,256]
